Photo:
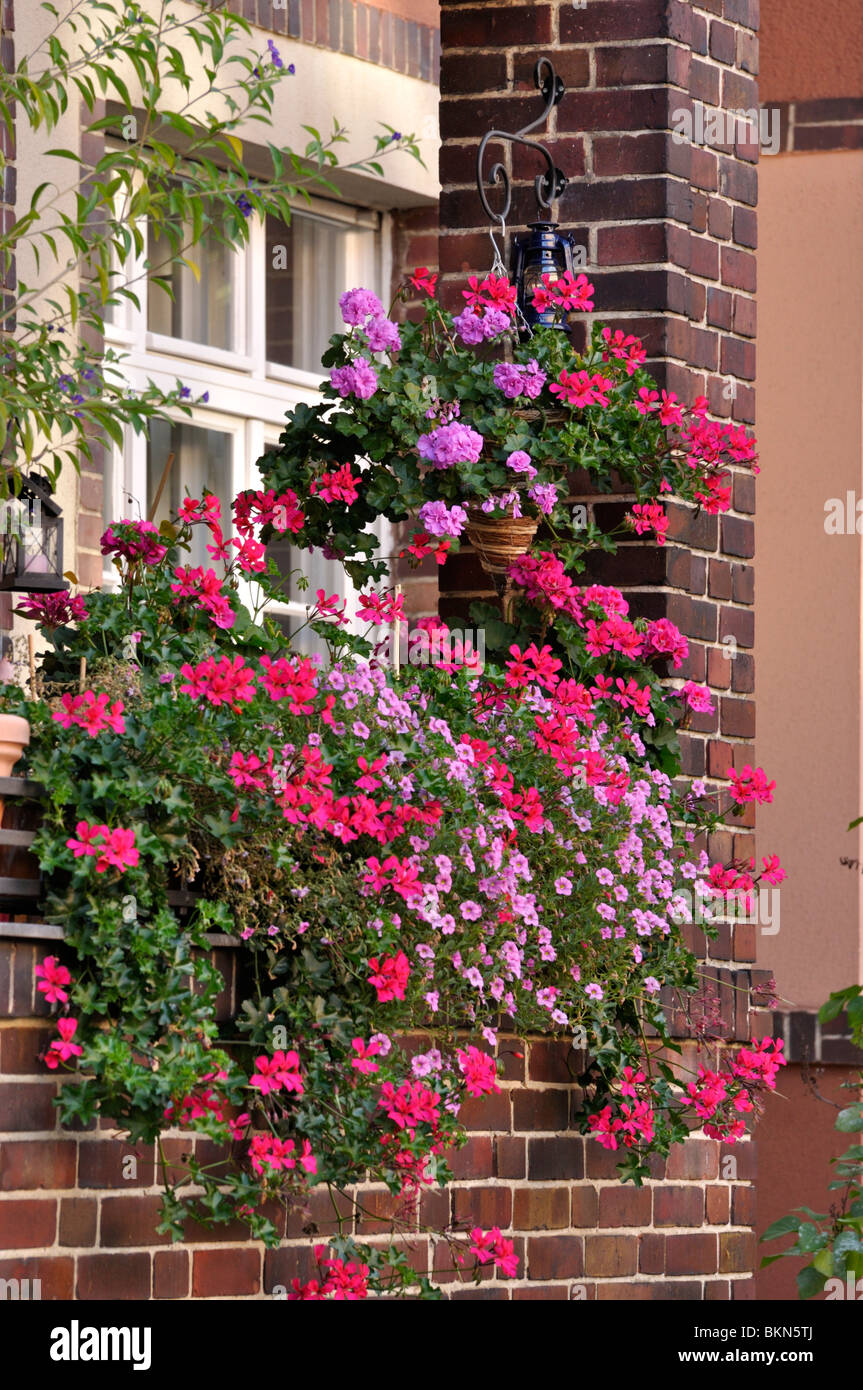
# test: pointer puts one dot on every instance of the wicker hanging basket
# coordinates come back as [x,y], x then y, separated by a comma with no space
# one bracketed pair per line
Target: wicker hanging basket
[498,542]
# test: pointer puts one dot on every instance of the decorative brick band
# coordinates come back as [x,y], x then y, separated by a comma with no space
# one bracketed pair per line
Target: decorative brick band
[79,1211]
[346,26]
[834,123]
[807,1040]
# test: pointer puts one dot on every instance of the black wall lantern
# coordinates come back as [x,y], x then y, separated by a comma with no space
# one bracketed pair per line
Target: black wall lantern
[31,540]
[543,249]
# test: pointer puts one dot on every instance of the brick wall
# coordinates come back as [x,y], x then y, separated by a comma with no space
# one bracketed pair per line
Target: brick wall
[75,1214]
[669,231]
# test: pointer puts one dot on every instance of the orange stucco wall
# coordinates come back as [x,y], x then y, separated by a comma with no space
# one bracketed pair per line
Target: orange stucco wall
[810,50]
[796,1141]
[808,589]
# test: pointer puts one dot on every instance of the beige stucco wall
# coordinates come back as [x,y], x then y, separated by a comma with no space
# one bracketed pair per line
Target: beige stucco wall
[808,583]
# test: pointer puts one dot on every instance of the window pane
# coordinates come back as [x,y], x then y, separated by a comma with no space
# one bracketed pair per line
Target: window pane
[309,265]
[202,463]
[321,573]
[199,312]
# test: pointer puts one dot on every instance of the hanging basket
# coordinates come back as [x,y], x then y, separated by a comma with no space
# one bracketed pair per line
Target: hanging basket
[498,543]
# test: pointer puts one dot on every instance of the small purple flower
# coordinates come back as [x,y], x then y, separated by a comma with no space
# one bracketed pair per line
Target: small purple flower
[365,379]
[470,910]
[652,985]
[275,55]
[469,327]
[291,69]
[494,322]
[360,379]
[382,335]
[594,991]
[563,886]
[450,444]
[533,379]
[359,304]
[545,497]
[508,379]
[520,462]
[244,206]
[440,520]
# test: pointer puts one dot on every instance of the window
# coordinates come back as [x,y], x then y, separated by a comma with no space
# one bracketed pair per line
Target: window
[249,333]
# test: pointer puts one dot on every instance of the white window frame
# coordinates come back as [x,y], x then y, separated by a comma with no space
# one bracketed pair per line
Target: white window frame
[249,396]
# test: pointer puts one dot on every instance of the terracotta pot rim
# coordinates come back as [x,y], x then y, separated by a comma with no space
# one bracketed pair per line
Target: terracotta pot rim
[14,728]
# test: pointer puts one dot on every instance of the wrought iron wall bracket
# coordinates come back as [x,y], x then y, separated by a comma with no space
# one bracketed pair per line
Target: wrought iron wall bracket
[548,185]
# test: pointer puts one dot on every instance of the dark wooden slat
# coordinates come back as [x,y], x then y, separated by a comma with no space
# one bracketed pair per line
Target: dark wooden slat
[17,837]
[20,786]
[15,889]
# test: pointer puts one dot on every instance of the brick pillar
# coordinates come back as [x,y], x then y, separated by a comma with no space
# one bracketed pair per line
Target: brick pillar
[669,230]
[670,233]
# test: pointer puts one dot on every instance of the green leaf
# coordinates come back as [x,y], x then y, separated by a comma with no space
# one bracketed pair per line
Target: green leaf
[849,1120]
[783,1227]
[810,1281]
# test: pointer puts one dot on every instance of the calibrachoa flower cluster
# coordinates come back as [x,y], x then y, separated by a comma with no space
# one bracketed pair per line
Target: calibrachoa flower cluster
[433,851]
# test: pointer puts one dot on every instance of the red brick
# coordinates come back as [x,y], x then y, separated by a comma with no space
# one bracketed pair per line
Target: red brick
[539,1110]
[612,19]
[624,1206]
[114,1276]
[27,1223]
[631,65]
[697,1158]
[494,28]
[292,1262]
[546,1293]
[78,1217]
[171,1274]
[555,1257]
[610,1257]
[717,1205]
[743,1206]
[56,1274]
[738,1252]
[629,154]
[28,1105]
[20,1047]
[474,1159]
[39,1163]
[678,1206]
[482,1206]
[487,1112]
[131,1221]
[690,1254]
[228,1273]
[551,1159]
[509,1156]
[541,1208]
[651,1253]
[585,1204]
[644,243]
[549,1060]
[105,1162]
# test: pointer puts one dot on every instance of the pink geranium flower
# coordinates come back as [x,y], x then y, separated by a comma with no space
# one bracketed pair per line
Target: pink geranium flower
[63,1048]
[52,979]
